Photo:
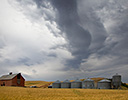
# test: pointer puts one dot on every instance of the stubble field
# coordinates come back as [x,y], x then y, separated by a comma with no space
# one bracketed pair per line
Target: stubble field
[21,93]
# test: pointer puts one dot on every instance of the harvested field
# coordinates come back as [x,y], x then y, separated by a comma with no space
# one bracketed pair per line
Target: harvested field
[42,84]
[20,93]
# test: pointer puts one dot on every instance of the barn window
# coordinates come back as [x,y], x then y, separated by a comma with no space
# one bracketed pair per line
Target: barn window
[18,78]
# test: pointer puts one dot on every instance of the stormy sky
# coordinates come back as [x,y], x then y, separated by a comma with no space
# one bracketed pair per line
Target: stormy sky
[64,39]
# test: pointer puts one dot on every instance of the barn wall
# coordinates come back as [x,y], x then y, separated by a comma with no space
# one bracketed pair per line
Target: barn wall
[7,82]
[14,81]
[22,83]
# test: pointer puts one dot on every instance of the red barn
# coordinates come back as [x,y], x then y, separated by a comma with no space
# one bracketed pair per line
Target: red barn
[12,80]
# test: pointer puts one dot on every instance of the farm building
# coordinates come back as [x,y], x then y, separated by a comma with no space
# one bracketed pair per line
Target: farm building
[76,84]
[88,84]
[66,84]
[104,84]
[56,84]
[116,81]
[12,80]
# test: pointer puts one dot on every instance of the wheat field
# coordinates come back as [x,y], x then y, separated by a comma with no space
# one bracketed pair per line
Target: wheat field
[42,84]
[21,93]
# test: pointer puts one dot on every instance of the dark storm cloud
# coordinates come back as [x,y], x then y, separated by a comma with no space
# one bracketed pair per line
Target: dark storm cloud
[41,3]
[68,20]
[90,21]
[114,50]
[121,32]
[116,43]
[84,30]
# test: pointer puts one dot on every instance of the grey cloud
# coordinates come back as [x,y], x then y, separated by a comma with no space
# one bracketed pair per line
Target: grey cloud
[41,3]
[2,41]
[41,9]
[117,39]
[87,34]
[52,55]
[90,20]
[91,27]
[24,61]
[34,71]
[115,44]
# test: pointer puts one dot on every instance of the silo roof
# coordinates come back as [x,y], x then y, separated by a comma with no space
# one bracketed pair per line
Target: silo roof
[88,79]
[117,74]
[105,80]
[66,81]
[57,81]
[77,80]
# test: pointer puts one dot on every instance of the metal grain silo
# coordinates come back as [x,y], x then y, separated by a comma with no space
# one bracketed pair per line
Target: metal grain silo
[116,81]
[88,84]
[56,84]
[66,84]
[104,84]
[76,84]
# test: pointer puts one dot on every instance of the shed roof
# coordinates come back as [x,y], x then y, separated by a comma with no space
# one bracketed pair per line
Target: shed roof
[7,77]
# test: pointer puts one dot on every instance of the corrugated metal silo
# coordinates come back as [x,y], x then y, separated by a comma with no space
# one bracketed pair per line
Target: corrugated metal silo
[56,84]
[88,84]
[116,81]
[104,84]
[76,84]
[66,84]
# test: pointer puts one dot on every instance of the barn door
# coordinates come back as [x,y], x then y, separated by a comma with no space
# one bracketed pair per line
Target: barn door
[3,83]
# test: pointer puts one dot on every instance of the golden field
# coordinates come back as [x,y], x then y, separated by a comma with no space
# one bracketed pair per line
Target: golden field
[21,93]
[42,84]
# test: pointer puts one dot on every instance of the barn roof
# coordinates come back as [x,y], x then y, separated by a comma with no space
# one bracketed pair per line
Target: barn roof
[7,77]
